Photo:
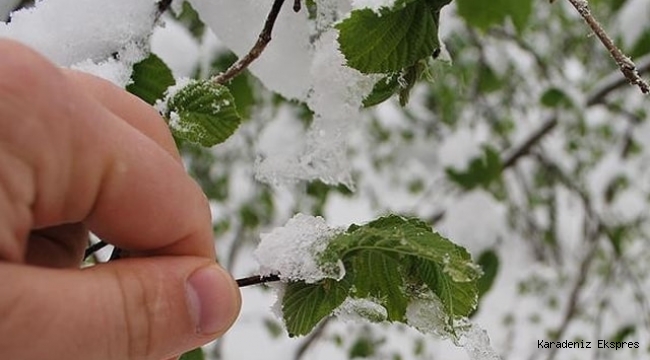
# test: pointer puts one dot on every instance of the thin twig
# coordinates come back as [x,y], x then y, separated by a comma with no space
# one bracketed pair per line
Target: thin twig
[626,65]
[163,5]
[262,41]
[94,248]
[312,338]
[572,306]
[615,81]
[532,140]
[256,280]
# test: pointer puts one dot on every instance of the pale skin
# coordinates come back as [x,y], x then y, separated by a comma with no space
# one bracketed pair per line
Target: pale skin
[78,154]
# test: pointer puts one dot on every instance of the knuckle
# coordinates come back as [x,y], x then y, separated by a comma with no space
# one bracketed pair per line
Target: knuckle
[137,319]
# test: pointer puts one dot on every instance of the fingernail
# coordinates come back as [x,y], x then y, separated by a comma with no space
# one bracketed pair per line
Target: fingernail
[213,300]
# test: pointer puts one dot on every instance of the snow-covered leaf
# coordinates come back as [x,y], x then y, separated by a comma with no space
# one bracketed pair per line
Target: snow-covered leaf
[202,112]
[390,262]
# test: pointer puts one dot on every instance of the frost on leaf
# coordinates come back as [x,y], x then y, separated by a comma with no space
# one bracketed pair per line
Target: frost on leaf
[361,309]
[201,112]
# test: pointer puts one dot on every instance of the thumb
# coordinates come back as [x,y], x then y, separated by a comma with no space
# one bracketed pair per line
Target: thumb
[146,308]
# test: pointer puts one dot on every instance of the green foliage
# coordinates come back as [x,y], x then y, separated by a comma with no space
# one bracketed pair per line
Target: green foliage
[190,18]
[241,87]
[489,263]
[383,90]
[555,98]
[304,305]
[202,112]
[196,354]
[365,347]
[484,14]
[482,171]
[400,83]
[623,333]
[392,40]
[390,261]
[151,77]
[274,328]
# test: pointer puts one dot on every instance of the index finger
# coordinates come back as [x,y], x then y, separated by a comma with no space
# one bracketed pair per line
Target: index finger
[82,163]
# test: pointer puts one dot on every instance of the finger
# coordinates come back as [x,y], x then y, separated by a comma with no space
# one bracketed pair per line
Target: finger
[127,107]
[89,165]
[58,247]
[148,308]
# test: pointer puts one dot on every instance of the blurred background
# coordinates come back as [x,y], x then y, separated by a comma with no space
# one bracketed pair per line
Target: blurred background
[522,143]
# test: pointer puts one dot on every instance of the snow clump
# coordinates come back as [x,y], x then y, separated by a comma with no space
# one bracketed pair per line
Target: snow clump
[291,251]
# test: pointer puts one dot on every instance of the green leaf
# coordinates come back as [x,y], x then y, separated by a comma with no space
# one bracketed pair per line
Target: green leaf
[489,262]
[484,14]
[382,91]
[402,83]
[380,278]
[191,19]
[202,112]
[392,40]
[241,87]
[458,298]
[389,257]
[196,354]
[623,333]
[482,171]
[304,305]
[151,77]
[274,329]
[555,98]
[391,261]
[404,236]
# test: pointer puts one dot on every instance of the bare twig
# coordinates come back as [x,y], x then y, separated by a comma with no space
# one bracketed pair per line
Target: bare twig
[312,338]
[256,280]
[163,5]
[532,140]
[94,248]
[572,306]
[625,64]
[262,41]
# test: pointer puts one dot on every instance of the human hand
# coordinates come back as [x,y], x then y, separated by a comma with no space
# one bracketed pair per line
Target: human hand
[79,154]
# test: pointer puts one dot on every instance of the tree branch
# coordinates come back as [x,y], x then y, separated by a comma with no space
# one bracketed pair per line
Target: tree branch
[572,306]
[312,338]
[262,41]
[532,140]
[625,64]
[256,280]
[163,5]
[94,248]
[615,81]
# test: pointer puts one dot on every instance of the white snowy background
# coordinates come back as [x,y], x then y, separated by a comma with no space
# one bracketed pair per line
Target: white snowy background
[339,147]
